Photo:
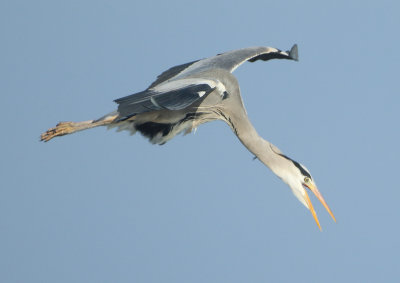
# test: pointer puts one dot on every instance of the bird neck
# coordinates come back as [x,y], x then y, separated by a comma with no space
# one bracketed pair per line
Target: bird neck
[266,152]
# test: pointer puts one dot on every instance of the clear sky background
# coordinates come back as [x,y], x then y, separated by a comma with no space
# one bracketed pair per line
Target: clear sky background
[100,206]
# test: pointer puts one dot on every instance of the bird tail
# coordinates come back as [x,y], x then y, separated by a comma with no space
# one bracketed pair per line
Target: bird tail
[66,128]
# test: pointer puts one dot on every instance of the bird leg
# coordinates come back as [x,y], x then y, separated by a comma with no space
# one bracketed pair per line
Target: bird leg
[65,128]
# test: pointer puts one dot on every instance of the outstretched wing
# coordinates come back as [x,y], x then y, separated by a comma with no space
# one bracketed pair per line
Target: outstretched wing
[232,59]
[173,91]
[174,95]
[228,61]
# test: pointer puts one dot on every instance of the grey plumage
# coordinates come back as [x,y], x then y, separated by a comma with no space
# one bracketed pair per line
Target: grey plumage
[186,85]
[188,95]
[179,96]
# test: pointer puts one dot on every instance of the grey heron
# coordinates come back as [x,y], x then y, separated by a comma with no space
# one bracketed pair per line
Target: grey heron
[188,95]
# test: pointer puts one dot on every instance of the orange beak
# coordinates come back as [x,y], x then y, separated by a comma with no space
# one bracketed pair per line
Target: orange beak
[314,189]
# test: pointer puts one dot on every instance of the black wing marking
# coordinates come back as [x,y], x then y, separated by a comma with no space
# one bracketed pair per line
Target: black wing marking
[151,100]
[293,55]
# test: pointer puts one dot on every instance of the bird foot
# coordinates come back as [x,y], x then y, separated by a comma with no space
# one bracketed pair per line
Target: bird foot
[62,128]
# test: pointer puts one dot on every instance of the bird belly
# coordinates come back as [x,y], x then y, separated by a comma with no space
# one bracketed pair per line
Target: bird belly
[161,126]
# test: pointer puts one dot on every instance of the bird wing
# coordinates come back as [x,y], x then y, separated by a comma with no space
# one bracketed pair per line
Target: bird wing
[173,90]
[232,59]
[170,73]
[173,95]
[228,61]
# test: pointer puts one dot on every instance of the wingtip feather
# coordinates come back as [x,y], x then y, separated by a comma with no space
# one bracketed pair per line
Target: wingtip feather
[294,53]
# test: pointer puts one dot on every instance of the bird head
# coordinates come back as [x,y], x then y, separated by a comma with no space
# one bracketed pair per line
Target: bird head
[300,181]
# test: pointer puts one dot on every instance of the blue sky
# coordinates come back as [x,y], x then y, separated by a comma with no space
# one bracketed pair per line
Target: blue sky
[100,206]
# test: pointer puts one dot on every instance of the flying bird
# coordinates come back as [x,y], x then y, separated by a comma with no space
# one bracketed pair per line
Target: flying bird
[188,95]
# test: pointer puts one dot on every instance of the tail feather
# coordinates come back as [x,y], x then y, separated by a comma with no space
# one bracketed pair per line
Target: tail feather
[65,128]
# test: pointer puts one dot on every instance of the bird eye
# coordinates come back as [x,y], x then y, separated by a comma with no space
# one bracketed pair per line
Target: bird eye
[307,180]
